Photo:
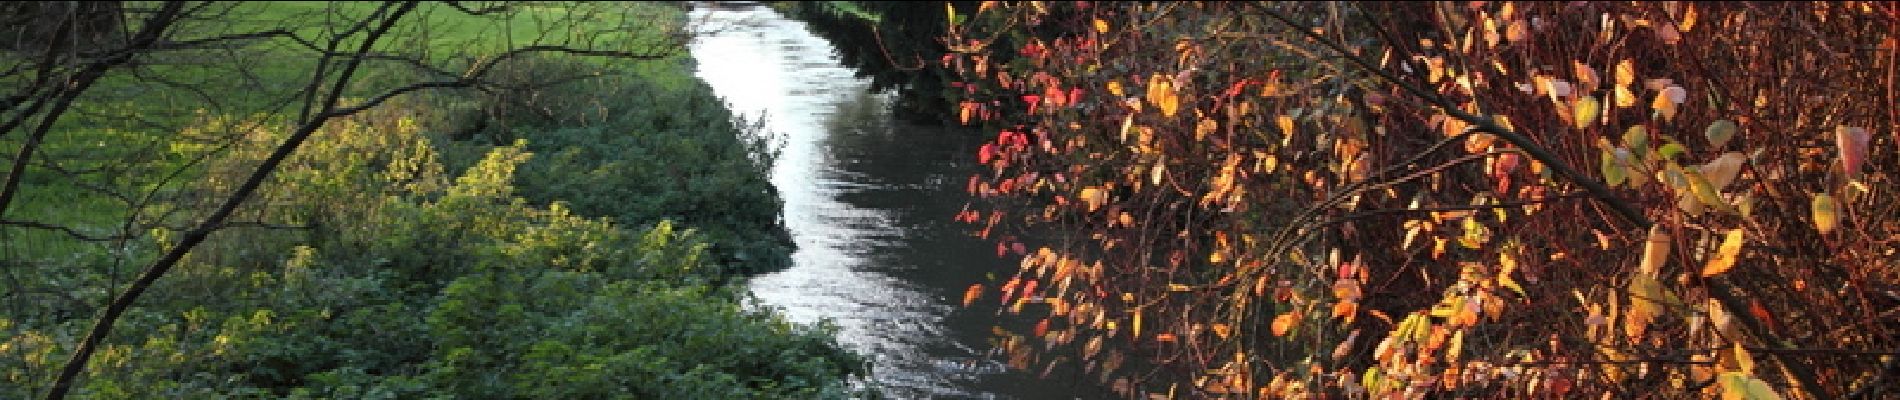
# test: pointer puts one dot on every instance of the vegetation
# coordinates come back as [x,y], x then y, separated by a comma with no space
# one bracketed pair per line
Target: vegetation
[1484,199]
[383,200]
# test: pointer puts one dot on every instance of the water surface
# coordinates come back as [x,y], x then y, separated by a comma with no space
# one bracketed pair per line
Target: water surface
[869,201]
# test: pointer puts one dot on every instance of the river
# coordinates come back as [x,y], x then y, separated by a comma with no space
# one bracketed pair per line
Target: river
[869,200]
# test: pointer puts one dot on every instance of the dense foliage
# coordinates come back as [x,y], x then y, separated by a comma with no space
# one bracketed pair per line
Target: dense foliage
[536,237]
[1493,199]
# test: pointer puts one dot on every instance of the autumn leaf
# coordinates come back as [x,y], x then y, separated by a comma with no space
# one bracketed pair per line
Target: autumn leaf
[1094,197]
[970,295]
[1825,215]
[1285,322]
[1725,256]
[1852,146]
[1706,192]
[1585,111]
[1667,100]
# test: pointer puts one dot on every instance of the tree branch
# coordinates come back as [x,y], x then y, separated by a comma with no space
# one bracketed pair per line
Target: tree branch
[197,235]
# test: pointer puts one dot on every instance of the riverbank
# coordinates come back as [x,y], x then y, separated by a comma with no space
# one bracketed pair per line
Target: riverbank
[536,238]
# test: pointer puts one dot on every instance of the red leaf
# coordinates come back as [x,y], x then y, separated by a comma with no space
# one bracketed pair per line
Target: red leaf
[983,155]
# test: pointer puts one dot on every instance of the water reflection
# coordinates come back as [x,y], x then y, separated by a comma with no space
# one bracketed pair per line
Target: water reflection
[869,202]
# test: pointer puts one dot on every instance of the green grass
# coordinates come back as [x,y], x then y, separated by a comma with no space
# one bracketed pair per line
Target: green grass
[129,132]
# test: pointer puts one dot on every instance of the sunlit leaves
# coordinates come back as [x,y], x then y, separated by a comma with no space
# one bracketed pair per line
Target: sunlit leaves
[1726,255]
[1825,213]
[1162,94]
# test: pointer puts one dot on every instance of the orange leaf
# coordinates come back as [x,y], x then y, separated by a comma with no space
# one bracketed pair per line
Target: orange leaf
[1285,322]
[970,295]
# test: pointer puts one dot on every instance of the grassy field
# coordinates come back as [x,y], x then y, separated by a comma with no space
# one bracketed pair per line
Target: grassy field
[122,135]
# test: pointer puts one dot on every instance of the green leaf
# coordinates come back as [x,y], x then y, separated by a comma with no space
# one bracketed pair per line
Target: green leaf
[1672,150]
[1741,386]
[1637,140]
[1613,172]
[1719,132]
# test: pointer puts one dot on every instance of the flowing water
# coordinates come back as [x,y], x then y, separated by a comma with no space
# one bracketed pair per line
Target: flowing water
[869,202]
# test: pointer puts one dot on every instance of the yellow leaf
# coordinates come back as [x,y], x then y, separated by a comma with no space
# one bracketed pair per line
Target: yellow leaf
[1509,264]
[1285,322]
[1725,256]
[1623,97]
[1625,72]
[1170,104]
[1115,88]
[1286,124]
[1826,218]
[1101,26]
[1585,111]
[1094,197]
[1161,94]
[1222,330]
[1457,346]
